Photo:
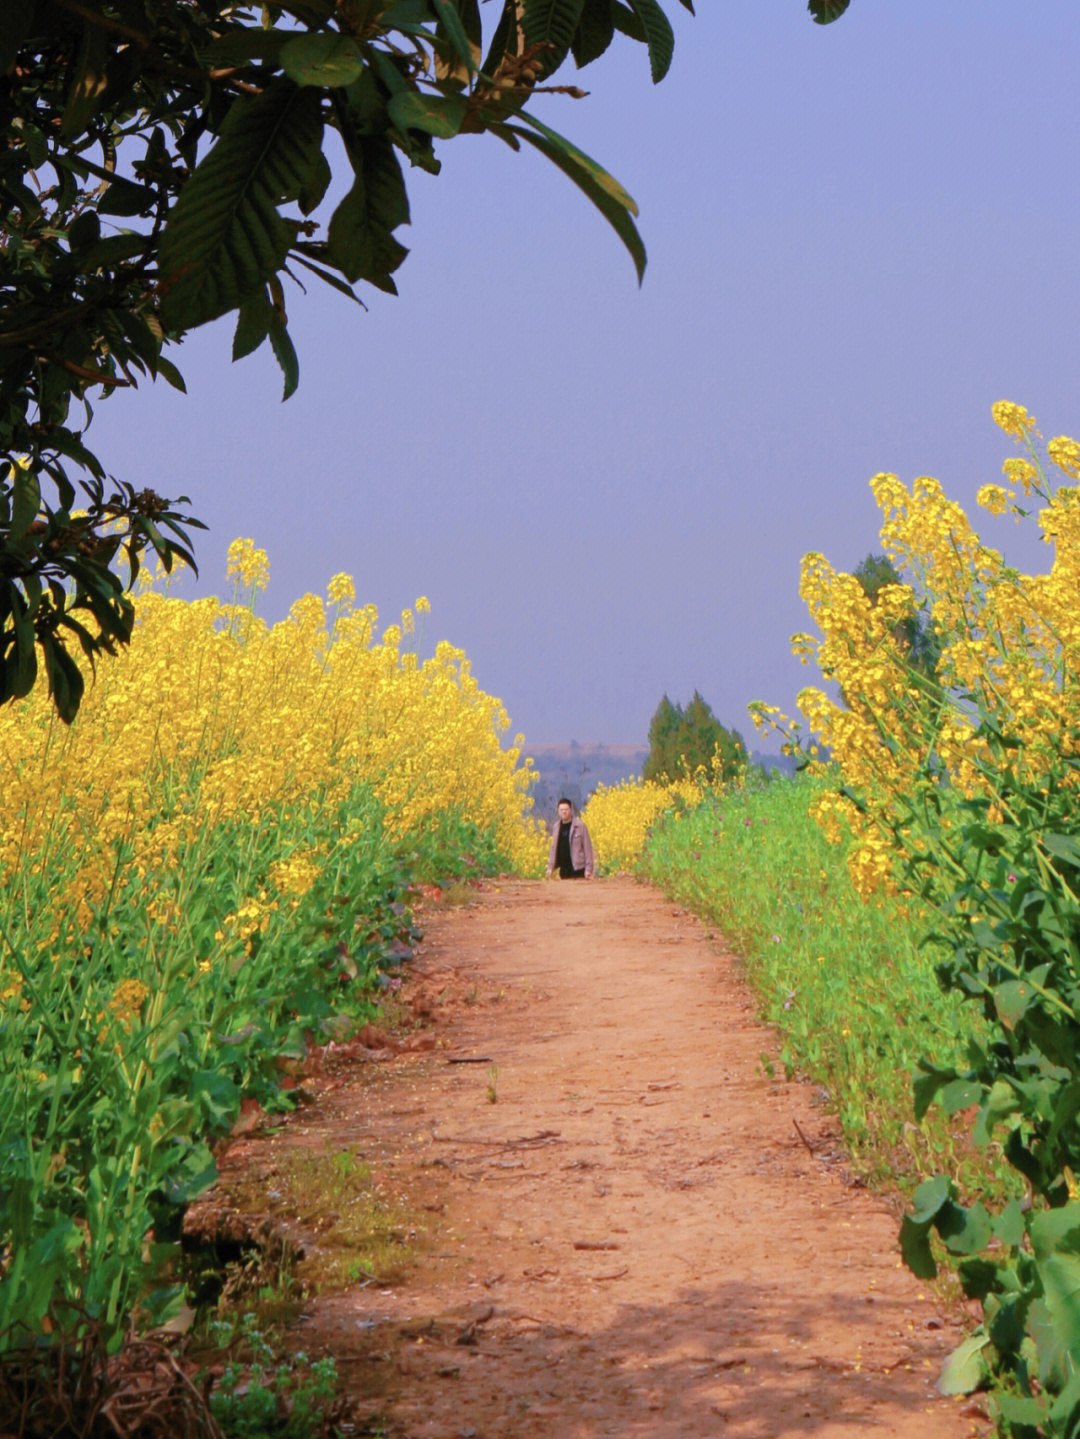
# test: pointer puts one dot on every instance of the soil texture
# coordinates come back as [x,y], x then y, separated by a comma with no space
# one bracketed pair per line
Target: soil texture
[627,1227]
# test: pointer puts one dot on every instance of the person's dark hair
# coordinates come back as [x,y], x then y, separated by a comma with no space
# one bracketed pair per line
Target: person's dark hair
[564,800]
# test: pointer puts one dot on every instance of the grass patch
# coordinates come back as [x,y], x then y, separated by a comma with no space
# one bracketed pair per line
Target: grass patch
[351,1230]
[849,986]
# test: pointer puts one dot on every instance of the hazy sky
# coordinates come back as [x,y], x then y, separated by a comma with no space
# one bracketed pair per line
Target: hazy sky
[859,237]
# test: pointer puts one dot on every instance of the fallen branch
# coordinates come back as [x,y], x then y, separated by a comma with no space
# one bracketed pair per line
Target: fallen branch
[802,1136]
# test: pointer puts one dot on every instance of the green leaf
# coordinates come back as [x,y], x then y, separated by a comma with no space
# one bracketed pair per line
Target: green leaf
[88,641]
[1020,1410]
[965,1369]
[317,183]
[312,13]
[1052,1230]
[1062,846]
[110,253]
[1050,1332]
[248,43]
[915,1248]
[66,683]
[19,679]
[326,59]
[626,22]
[965,1231]
[143,334]
[170,374]
[83,232]
[1065,1410]
[359,236]
[284,353]
[124,197]
[386,67]
[500,39]
[1066,1108]
[614,211]
[327,277]
[552,23]
[454,30]
[224,237]
[25,501]
[88,87]
[595,172]
[594,32]
[407,15]
[978,1277]
[826,11]
[929,1198]
[16,22]
[252,324]
[1002,1100]
[960,1094]
[659,36]
[1009,1225]
[1011,1000]
[37,147]
[928,1083]
[439,115]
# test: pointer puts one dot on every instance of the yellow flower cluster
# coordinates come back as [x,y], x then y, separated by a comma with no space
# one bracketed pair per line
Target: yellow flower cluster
[248,566]
[295,876]
[1009,647]
[211,714]
[619,817]
[127,1000]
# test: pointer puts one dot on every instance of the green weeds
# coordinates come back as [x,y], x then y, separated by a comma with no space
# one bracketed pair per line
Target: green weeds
[848,985]
[260,1394]
[134,1022]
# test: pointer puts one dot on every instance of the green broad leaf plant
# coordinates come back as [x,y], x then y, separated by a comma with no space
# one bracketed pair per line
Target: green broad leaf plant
[166,163]
[1006,893]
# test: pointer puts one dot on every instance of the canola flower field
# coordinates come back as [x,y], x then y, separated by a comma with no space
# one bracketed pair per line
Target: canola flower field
[211,870]
[948,956]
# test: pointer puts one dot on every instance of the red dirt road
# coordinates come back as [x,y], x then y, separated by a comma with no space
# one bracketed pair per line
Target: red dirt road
[633,1239]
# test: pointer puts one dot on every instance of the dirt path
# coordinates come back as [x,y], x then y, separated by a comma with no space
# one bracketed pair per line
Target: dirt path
[633,1239]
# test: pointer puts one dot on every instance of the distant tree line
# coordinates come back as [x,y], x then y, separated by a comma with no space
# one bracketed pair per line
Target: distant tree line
[682,739]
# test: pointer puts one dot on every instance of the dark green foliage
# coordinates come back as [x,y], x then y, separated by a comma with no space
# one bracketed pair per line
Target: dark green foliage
[682,739]
[1003,875]
[106,1124]
[847,986]
[826,11]
[162,163]
[920,640]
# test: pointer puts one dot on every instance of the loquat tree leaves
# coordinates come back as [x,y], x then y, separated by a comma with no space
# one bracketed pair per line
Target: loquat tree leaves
[551,24]
[658,34]
[225,236]
[826,11]
[167,165]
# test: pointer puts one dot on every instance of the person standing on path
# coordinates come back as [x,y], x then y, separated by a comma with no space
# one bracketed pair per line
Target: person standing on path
[571,848]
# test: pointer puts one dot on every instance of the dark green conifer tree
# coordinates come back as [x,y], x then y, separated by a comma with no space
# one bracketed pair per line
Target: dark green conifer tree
[682,739]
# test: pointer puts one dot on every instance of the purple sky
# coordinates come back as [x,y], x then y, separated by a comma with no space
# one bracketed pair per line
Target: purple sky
[859,237]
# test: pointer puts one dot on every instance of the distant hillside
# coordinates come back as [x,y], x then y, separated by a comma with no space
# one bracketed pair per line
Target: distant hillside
[575,770]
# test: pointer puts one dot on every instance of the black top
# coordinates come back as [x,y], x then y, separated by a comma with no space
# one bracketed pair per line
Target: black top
[562,849]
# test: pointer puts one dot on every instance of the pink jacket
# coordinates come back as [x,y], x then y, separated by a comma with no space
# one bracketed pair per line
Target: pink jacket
[581,850]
